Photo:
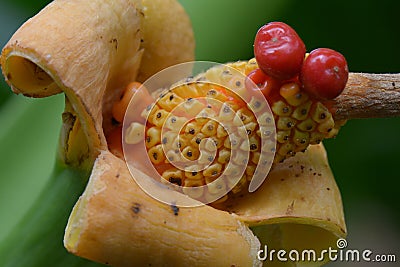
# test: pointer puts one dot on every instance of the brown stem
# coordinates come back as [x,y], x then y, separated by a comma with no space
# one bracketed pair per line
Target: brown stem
[368,96]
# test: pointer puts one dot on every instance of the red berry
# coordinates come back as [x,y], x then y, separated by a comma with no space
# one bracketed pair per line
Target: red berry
[279,51]
[266,84]
[324,73]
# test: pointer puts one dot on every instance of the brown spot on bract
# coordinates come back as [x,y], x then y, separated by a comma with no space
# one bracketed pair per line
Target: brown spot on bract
[328,188]
[290,208]
[136,208]
[114,41]
[175,210]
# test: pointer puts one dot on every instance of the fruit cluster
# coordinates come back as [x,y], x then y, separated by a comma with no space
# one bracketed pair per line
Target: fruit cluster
[294,84]
[281,56]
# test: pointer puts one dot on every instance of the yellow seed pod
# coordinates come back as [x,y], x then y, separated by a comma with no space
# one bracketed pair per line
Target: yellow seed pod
[285,123]
[245,115]
[169,101]
[240,157]
[255,157]
[216,187]
[215,93]
[281,108]
[254,142]
[194,175]
[187,91]
[256,104]
[316,137]
[156,154]
[190,153]
[192,128]
[240,185]
[307,125]
[180,142]
[224,156]
[175,123]
[158,117]
[148,112]
[196,140]
[286,149]
[153,137]
[226,113]
[210,128]
[173,156]
[204,115]
[173,176]
[283,136]
[134,133]
[221,132]
[301,112]
[250,127]
[301,138]
[321,113]
[206,157]
[266,119]
[168,138]
[250,66]
[327,125]
[214,170]
[191,107]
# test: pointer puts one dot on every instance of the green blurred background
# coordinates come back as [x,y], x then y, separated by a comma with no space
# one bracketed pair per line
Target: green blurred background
[364,157]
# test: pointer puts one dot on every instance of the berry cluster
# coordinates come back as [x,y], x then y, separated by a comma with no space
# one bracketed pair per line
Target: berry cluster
[281,57]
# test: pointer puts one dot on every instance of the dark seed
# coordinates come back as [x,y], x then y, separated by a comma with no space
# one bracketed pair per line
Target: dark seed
[155,156]
[171,97]
[175,210]
[212,92]
[194,173]
[304,111]
[248,132]
[136,208]
[158,115]
[285,110]
[165,140]
[198,141]
[322,116]
[148,139]
[189,154]
[238,83]
[175,180]
[173,120]
[253,146]
[191,131]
